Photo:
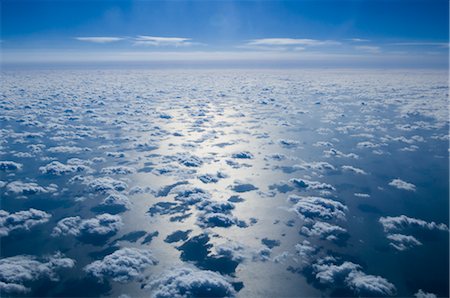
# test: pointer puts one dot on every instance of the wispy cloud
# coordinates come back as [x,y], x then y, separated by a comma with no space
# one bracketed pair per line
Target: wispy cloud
[369,49]
[358,40]
[290,42]
[163,41]
[439,44]
[100,39]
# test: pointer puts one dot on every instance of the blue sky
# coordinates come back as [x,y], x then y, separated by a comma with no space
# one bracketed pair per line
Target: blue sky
[335,33]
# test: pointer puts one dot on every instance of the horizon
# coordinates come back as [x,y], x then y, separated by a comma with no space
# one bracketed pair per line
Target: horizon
[411,34]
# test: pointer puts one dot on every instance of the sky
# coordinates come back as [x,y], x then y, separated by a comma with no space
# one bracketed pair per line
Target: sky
[358,33]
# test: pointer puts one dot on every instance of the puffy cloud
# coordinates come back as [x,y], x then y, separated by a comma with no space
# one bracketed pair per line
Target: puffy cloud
[353,170]
[317,207]
[102,184]
[311,185]
[348,274]
[306,252]
[400,184]
[115,202]
[58,169]
[422,294]
[18,271]
[187,282]
[403,242]
[22,220]
[118,170]
[325,231]
[398,223]
[336,153]
[67,149]
[102,225]
[6,165]
[123,265]
[29,188]
[365,284]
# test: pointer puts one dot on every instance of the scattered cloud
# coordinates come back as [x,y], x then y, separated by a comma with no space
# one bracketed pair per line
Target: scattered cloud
[162,41]
[187,282]
[123,265]
[19,271]
[369,49]
[21,220]
[291,42]
[400,184]
[100,39]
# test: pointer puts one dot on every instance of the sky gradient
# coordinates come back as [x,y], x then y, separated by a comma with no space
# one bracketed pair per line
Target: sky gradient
[284,33]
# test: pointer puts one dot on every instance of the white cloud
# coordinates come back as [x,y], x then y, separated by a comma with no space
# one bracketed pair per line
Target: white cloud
[101,225]
[16,272]
[290,42]
[100,39]
[29,188]
[187,282]
[422,294]
[21,220]
[398,223]
[403,242]
[350,275]
[369,49]
[123,265]
[353,170]
[163,41]
[400,184]
[317,207]
[6,165]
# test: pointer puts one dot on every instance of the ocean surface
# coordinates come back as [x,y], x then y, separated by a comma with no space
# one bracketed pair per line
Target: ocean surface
[248,183]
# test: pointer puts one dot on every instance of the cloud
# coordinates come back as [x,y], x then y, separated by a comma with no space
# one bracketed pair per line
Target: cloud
[403,242]
[101,184]
[56,168]
[101,226]
[317,207]
[349,274]
[400,184]
[398,223]
[163,41]
[22,220]
[100,39]
[29,188]
[118,170]
[6,165]
[67,149]
[290,42]
[18,271]
[311,185]
[187,282]
[353,170]
[326,231]
[439,44]
[369,49]
[123,265]
[422,294]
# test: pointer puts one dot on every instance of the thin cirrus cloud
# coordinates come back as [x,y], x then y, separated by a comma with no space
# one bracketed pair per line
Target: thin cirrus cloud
[100,39]
[142,40]
[290,42]
[162,41]
[369,49]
